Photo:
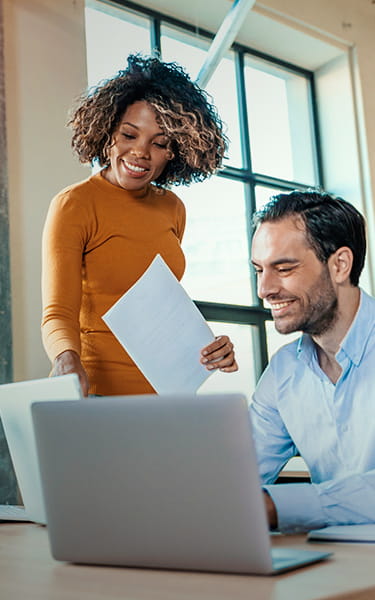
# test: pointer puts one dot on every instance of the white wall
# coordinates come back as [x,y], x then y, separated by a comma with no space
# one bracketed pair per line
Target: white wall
[45,69]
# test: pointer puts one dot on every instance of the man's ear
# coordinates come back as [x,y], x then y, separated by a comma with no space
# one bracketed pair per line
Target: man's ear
[340,264]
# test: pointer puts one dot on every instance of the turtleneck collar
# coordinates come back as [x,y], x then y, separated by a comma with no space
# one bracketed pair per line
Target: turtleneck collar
[104,183]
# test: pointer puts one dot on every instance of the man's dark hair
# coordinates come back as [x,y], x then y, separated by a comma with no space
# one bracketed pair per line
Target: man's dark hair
[330,223]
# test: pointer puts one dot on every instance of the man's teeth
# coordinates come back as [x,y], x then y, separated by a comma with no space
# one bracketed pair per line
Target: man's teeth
[279,305]
[134,167]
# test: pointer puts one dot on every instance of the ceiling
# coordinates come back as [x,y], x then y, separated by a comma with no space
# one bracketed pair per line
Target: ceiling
[263,29]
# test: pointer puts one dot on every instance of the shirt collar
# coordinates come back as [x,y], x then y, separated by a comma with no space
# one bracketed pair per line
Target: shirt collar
[354,343]
[305,347]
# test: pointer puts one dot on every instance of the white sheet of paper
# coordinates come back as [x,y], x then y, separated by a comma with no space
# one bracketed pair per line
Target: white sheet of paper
[345,533]
[162,330]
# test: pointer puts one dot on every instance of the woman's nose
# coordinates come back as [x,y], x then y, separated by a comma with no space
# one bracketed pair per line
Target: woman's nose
[140,149]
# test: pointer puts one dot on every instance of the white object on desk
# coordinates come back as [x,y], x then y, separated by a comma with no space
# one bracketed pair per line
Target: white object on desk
[162,330]
[345,533]
[15,401]
[13,512]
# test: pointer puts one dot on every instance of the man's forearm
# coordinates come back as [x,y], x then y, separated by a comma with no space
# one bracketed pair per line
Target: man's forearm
[270,510]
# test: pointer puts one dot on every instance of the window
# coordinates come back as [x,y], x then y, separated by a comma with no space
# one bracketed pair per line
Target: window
[280,127]
[268,106]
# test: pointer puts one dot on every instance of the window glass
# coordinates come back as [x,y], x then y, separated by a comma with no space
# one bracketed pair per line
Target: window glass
[275,339]
[184,48]
[242,380]
[279,122]
[111,35]
[263,195]
[282,146]
[190,52]
[226,102]
[216,241]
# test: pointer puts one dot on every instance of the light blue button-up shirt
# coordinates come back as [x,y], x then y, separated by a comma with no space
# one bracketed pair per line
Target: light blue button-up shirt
[297,409]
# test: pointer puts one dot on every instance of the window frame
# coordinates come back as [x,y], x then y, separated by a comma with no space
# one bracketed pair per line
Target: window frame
[252,314]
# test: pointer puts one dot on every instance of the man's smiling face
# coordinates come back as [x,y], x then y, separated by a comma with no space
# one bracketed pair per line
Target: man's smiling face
[297,286]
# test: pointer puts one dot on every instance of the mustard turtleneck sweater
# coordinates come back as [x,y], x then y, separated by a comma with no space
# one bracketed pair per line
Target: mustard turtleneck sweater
[99,239]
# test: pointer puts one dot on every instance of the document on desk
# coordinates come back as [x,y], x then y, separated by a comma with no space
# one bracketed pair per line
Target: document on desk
[162,330]
[345,533]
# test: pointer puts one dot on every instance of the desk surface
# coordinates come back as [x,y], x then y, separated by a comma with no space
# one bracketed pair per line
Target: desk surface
[27,570]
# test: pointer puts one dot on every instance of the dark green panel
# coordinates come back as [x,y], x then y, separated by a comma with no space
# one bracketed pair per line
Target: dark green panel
[8,487]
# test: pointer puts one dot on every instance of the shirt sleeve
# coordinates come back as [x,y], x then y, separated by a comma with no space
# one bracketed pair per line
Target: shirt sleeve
[273,444]
[346,501]
[62,248]
[349,500]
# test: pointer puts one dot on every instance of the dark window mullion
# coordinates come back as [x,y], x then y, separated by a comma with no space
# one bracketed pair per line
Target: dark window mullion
[237,174]
[316,133]
[242,111]
[234,313]
[258,334]
[155,37]
[275,182]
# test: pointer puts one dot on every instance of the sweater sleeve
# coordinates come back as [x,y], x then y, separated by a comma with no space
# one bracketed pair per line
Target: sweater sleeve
[63,244]
[181,219]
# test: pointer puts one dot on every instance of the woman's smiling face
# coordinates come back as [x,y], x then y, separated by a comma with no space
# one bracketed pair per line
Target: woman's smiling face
[139,151]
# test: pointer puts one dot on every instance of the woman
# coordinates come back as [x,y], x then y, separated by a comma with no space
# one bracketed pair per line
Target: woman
[148,127]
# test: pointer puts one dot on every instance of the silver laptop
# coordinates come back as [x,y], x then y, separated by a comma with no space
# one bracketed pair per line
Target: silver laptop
[15,414]
[156,481]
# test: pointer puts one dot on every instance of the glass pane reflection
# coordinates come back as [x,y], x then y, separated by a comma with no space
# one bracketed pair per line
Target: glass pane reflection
[215,242]
[263,195]
[190,52]
[244,379]
[120,32]
[279,122]
[275,339]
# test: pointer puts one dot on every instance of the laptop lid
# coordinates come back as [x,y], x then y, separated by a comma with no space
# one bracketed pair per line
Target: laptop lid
[154,481]
[15,414]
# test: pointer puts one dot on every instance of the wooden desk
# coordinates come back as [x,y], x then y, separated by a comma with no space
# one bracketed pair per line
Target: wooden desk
[294,470]
[27,571]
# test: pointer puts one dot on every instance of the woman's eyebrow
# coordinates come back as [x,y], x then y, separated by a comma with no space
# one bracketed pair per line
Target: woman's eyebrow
[136,127]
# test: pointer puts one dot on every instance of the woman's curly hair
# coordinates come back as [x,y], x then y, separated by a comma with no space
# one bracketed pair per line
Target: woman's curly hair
[182,110]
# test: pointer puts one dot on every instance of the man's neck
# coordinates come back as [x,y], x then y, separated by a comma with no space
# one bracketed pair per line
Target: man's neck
[329,342]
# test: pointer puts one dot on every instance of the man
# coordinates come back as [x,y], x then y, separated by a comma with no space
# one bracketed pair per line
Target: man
[317,396]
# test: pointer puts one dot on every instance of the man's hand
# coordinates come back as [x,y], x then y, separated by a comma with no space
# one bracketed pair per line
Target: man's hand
[69,362]
[270,510]
[219,355]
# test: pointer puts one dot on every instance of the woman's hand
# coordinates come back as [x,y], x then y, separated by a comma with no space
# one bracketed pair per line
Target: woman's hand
[219,355]
[69,362]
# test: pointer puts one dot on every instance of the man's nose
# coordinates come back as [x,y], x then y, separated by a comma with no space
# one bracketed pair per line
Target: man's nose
[268,284]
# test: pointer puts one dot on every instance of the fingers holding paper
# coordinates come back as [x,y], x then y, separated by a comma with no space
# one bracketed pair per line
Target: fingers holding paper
[69,362]
[219,355]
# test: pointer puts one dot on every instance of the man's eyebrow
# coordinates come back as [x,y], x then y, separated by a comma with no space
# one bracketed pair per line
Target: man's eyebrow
[279,261]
